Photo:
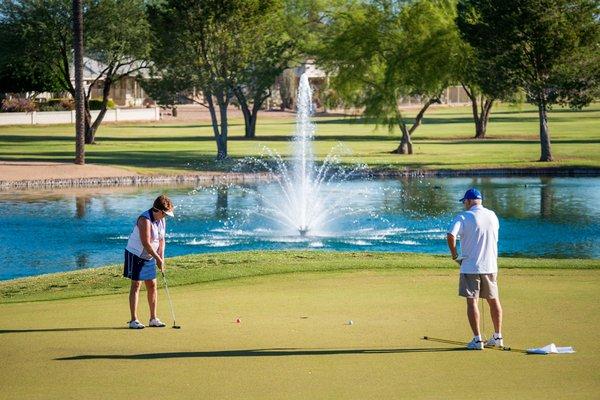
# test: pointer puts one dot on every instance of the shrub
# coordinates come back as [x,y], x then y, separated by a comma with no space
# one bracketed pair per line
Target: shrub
[148,102]
[57,105]
[96,104]
[18,105]
[50,107]
[66,104]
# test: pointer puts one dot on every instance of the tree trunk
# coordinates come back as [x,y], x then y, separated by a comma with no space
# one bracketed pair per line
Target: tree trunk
[474,110]
[247,121]
[215,122]
[91,128]
[486,109]
[222,142]
[250,115]
[79,93]
[219,124]
[544,133]
[479,126]
[239,94]
[405,146]
[480,119]
[420,115]
[253,117]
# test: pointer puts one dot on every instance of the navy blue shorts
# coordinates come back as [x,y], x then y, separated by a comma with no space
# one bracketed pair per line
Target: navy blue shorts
[138,269]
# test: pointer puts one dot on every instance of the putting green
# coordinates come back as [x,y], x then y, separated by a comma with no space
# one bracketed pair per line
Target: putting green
[293,340]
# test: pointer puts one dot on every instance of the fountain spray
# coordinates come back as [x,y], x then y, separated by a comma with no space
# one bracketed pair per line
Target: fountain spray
[303,155]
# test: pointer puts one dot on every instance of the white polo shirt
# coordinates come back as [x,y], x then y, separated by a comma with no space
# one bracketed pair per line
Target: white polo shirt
[478,231]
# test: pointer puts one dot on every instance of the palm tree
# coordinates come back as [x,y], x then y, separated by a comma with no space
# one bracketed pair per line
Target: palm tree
[79,93]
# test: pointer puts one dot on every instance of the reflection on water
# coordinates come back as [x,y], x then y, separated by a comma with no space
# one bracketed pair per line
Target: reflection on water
[56,231]
[81,204]
[221,203]
[81,261]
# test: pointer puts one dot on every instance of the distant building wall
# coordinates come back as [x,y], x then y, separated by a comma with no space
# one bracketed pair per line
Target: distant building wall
[127,92]
[284,90]
[68,117]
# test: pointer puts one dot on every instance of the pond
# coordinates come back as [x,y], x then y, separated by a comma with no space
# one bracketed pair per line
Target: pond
[65,230]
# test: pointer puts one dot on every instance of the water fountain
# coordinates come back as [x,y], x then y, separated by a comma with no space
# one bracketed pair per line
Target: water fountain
[307,202]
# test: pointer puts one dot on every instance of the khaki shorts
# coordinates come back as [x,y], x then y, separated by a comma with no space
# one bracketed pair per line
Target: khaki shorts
[478,285]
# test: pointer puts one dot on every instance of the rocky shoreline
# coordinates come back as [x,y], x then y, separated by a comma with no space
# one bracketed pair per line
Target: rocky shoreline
[214,178]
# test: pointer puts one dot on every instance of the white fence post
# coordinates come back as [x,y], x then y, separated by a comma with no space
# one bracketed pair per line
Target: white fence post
[157,113]
[33,119]
[117,112]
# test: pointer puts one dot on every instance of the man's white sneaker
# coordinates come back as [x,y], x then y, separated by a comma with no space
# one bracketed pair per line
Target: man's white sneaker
[475,344]
[135,324]
[495,342]
[156,323]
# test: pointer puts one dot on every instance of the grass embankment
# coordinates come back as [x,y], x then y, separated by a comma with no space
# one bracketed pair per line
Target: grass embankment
[203,268]
[444,142]
[294,342]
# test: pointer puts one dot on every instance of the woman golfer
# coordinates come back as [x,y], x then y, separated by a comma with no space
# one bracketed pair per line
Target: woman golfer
[144,253]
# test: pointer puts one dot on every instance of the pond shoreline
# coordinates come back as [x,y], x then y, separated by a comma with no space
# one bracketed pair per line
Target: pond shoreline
[212,178]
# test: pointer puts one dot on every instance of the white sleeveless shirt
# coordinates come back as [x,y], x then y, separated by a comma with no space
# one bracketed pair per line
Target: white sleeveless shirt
[157,232]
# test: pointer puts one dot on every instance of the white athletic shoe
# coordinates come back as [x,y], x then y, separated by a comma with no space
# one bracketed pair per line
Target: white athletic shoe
[495,342]
[475,344]
[135,324]
[156,323]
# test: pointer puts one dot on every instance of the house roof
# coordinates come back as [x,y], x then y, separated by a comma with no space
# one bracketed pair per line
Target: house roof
[93,68]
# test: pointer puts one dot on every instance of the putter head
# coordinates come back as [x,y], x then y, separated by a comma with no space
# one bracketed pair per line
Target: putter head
[176,327]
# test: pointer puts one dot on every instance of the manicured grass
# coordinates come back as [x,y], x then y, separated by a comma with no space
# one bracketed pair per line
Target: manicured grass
[293,341]
[443,142]
[203,268]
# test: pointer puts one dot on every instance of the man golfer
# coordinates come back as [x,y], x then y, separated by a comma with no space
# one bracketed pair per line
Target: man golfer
[477,228]
[144,253]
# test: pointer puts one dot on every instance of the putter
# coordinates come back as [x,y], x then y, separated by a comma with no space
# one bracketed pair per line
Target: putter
[457,343]
[175,326]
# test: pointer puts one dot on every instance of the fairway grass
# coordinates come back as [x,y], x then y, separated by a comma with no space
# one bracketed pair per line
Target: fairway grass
[211,267]
[443,142]
[294,342]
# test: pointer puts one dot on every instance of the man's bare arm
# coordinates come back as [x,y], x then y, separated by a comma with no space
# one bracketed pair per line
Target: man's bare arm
[452,245]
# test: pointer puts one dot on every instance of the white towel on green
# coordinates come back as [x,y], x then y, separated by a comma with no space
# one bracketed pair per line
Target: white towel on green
[551,349]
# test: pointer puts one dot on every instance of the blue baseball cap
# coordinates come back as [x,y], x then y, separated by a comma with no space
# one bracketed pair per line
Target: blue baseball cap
[472,194]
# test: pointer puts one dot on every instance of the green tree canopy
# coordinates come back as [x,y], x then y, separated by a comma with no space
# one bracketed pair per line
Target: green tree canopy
[381,51]
[547,48]
[116,34]
[219,47]
[272,50]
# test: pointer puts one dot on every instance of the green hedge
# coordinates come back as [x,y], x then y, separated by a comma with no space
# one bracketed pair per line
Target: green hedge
[96,104]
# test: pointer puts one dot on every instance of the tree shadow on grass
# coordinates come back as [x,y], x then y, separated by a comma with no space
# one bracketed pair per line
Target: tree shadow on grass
[275,352]
[102,328]
[181,160]
[165,138]
[367,137]
[183,125]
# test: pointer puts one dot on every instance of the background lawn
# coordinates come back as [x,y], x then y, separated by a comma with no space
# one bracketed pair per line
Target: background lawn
[294,341]
[443,142]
